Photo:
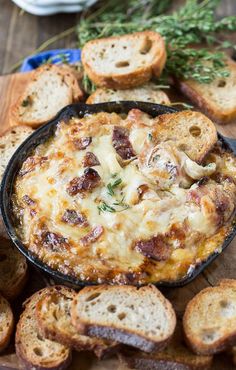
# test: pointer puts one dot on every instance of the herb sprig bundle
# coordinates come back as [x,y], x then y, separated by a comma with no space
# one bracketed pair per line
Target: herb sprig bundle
[185,31]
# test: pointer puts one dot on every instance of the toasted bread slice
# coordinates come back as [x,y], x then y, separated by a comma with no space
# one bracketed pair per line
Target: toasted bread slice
[227,282]
[9,142]
[210,320]
[3,232]
[218,98]
[52,87]
[142,318]
[6,323]
[13,268]
[175,356]
[54,319]
[122,62]
[147,93]
[192,132]
[35,351]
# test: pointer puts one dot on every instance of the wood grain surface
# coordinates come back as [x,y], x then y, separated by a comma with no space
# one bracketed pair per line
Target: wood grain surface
[20,35]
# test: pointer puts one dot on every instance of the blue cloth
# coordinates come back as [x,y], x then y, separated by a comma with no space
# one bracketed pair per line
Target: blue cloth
[54,56]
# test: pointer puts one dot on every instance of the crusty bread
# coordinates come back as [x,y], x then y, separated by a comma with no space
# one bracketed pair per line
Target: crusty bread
[210,320]
[32,348]
[13,270]
[227,282]
[142,317]
[147,93]
[123,62]
[54,319]
[9,142]
[52,87]
[6,323]
[218,98]
[3,232]
[175,356]
[191,132]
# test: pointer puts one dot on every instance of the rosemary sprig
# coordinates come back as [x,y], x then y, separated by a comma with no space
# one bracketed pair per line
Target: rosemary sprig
[104,207]
[191,25]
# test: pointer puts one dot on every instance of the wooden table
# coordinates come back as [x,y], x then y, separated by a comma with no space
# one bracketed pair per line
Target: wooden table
[20,35]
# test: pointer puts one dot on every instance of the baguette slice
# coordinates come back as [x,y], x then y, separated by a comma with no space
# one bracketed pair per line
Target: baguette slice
[147,93]
[175,356]
[9,142]
[210,320]
[191,132]
[54,319]
[6,323]
[142,317]
[51,88]
[218,98]
[13,270]
[122,62]
[35,351]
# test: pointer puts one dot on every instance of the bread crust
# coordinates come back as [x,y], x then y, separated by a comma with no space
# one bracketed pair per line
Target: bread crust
[11,289]
[131,79]
[79,344]
[208,106]
[67,75]
[7,328]
[110,332]
[29,308]
[197,345]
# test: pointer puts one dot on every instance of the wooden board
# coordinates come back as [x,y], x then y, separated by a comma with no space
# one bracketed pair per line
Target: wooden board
[11,87]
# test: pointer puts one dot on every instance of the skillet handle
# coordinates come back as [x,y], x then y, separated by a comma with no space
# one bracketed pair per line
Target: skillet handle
[231,142]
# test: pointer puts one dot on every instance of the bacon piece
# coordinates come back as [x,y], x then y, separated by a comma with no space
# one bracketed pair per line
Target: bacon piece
[90,160]
[155,248]
[30,164]
[82,143]
[53,241]
[121,143]
[87,182]
[74,218]
[92,236]
[27,200]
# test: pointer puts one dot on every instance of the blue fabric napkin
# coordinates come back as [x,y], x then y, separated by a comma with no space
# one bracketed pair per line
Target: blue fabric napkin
[56,56]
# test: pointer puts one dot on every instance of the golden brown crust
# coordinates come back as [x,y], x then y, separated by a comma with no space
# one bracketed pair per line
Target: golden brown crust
[68,76]
[7,324]
[194,342]
[131,79]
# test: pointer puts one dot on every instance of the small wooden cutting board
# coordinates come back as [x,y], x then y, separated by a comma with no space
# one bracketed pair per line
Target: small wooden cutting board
[11,87]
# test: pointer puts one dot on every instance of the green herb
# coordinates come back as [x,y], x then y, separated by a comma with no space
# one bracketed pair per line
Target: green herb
[150,136]
[192,25]
[60,58]
[25,102]
[111,187]
[114,175]
[88,85]
[104,207]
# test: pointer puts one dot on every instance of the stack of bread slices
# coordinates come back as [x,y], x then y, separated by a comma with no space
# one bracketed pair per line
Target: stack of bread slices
[137,325]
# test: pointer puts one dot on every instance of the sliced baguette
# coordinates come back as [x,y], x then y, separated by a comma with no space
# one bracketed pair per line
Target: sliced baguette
[218,98]
[35,351]
[191,132]
[210,320]
[142,317]
[175,356]
[54,319]
[13,270]
[9,142]
[122,62]
[147,93]
[52,87]
[6,323]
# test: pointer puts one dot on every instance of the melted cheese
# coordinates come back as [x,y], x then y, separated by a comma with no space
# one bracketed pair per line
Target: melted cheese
[136,216]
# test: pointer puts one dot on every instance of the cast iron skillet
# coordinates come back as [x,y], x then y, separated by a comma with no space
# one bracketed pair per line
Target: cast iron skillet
[41,135]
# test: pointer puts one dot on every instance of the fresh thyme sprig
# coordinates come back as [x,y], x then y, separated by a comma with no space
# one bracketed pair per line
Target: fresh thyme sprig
[112,186]
[184,31]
